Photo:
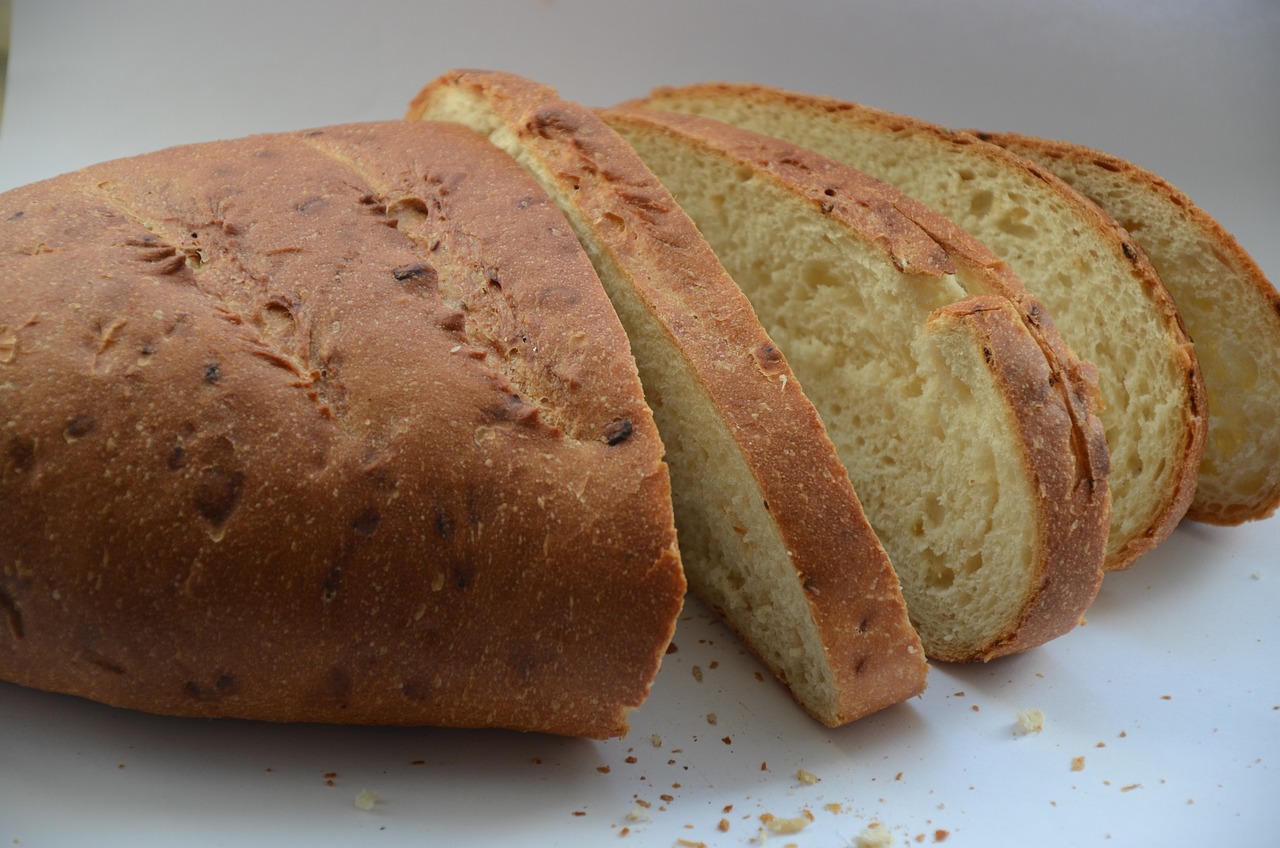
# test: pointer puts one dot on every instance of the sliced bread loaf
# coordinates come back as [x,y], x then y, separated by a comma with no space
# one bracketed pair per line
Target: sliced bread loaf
[1106,299]
[969,440]
[771,532]
[330,426]
[1231,312]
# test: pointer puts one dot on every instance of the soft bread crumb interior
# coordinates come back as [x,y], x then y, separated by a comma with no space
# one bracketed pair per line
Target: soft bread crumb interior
[1105,317]
[732,552]
[914,412]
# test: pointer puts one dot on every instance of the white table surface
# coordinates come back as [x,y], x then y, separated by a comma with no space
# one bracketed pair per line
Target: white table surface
[1170,693]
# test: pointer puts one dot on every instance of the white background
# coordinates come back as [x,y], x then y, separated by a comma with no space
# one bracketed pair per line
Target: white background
[1170,693]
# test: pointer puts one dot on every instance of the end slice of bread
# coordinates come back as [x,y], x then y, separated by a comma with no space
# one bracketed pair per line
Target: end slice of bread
[970,443]
[1107,301]
[1231,312]
[772,535]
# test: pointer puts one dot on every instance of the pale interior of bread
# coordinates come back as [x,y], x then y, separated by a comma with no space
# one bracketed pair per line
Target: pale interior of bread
[733,554]
[1232,323]
[1104,317]
[916,415]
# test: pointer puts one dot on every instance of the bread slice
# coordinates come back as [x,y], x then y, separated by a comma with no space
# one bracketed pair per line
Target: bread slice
[1231,312]
[969,440]
[771,532]
[330,426]
[1106,299]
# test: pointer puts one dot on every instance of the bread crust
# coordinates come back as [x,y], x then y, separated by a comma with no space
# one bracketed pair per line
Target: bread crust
[1244,277]
[1177,495]
[328,426]
[1049,395]
[851,589]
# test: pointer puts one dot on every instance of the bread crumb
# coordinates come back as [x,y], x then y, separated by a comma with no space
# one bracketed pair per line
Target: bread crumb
[723,826]
[1030,721]
[638,814]
[656,740]
[781,826]
[808,778]
[1257,575]
[874,835]
[367,801]
[711,718]
[1077,763]
[1131,787]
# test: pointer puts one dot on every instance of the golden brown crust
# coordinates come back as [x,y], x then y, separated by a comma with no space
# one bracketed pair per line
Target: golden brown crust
[852,591]
[1050,397]
[1177,496]
[334,426]
[1246,276]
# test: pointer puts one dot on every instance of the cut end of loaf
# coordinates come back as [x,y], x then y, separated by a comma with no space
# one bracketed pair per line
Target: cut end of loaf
[1106,301]
[964,449]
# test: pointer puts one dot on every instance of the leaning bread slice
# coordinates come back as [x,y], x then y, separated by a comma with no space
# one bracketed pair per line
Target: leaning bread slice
[969,442]
[328,426]
[1106,299]
[1230,310]
[771,532]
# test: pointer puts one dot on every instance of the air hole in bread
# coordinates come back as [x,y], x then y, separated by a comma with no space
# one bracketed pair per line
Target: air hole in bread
[1012,223]
[980,203]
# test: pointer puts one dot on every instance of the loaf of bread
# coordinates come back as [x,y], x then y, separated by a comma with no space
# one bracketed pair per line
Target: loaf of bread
[970,440]
[331,426]
[1230,310]
[771,533]
[1099,287]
